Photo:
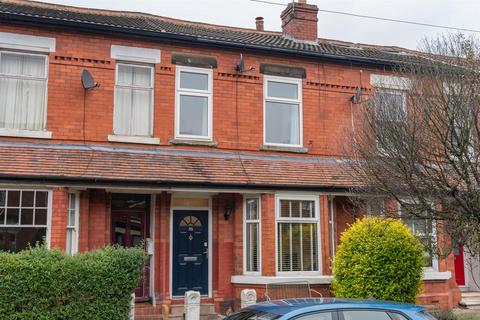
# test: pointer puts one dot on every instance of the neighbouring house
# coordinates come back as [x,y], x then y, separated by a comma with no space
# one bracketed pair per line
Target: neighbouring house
[234,176]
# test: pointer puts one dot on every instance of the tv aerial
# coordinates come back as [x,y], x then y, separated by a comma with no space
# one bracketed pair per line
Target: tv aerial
[87,80]
[240,67]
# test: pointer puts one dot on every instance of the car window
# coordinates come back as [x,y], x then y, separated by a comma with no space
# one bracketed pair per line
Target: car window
[316,316]
[397,316]
[365,315]
[252,315]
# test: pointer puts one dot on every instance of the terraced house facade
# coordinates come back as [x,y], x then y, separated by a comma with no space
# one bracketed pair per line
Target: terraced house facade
[235,177]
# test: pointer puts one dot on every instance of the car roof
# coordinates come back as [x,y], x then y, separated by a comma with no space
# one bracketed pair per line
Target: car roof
[298,306]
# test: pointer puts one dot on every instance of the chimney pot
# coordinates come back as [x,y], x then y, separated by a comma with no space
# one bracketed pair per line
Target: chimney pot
[259,23]
[299,20]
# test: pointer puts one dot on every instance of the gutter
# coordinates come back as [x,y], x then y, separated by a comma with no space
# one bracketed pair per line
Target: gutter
[145,34]
[101,182]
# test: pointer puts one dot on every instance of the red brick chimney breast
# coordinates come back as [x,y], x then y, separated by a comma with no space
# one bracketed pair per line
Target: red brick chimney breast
[299,20]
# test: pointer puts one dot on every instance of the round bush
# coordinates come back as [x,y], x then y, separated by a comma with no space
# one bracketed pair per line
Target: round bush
[378,258]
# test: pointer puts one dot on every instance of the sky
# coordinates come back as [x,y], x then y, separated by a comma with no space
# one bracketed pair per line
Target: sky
[242,13]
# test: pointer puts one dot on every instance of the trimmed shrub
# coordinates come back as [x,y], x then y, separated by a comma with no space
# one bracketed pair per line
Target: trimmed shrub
[39,283]
[378,258]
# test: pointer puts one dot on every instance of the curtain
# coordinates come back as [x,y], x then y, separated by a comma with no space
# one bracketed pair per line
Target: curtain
[282,123]
[194,115]
[133,101]
[22,88]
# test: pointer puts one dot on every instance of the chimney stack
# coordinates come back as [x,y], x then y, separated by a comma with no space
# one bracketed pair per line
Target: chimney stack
[259,23]
[299,20]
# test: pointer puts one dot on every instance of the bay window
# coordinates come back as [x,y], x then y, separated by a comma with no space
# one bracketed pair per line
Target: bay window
[23,91]
[424,229]
[133,106]
[252,235]
[23,218]
[193,111]
[283,111]
[297,234]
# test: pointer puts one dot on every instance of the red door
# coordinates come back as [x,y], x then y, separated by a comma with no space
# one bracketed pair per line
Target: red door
[459,266]
[130,228]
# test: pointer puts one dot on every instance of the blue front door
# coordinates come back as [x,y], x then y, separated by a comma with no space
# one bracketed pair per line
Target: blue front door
[190,251]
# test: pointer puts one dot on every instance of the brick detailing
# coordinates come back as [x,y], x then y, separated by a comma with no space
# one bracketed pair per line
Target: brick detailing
[58,231]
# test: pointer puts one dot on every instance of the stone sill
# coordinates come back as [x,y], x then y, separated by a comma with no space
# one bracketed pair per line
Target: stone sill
[265,147]
[187,142]
[25,134]
[322,279]
[251,279]
[133,139]
[429,275]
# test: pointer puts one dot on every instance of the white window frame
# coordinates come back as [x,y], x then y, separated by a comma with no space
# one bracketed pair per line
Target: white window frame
[259,222]
[298,101]
[48,225]
[316,220]
[435,264]
[43,133]
[193,92]
[152,95]
[75,227]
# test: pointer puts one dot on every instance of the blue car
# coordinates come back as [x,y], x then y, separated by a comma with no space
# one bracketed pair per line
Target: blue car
[331,309]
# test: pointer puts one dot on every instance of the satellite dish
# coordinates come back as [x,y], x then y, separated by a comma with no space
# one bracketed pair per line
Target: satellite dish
[87,80]
[241,65]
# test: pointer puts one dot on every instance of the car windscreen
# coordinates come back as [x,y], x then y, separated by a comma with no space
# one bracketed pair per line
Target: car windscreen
[250,314]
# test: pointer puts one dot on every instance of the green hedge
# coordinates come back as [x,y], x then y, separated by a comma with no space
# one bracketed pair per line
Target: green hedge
[378,258]
[48,284]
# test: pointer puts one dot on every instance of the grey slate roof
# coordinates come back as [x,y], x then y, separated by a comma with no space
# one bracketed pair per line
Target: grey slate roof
[161,27]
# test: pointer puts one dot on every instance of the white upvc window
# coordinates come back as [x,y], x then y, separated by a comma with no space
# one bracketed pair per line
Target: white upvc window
[133,104]
[282,112]
[23,91]
[298,231]
[193,103]
[24,218]
[425,230]
[252,236]
[390,109]
[73,213]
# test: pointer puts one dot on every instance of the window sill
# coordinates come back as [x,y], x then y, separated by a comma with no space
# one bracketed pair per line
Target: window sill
[25,134]
[429,275]
[265,147]
[133,139]
[251,279]
[187,142]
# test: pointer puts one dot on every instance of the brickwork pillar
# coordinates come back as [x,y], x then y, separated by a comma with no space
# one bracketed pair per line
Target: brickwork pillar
[238,235]
[325,235]
[98,230]
[268,235]
[162,247]
[58,231]
[84,221]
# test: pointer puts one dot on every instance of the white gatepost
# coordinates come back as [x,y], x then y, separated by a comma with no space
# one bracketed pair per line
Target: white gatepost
[192,305]
[248,297]
[132,307]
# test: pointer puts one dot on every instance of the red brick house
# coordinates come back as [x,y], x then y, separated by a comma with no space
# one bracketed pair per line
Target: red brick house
[235,178]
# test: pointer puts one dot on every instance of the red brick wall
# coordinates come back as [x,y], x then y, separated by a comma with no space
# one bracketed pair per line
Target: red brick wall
[326,92]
